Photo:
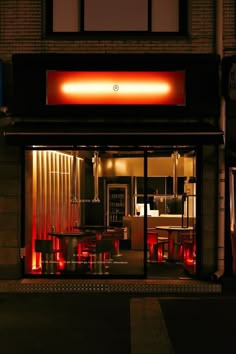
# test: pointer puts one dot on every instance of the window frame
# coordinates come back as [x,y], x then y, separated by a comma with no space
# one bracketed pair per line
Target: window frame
[47,20]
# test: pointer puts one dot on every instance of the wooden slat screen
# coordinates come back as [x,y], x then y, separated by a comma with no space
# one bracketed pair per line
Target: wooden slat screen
[48,198]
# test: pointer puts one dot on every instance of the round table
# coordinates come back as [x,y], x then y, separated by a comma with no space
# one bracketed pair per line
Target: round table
[72,242]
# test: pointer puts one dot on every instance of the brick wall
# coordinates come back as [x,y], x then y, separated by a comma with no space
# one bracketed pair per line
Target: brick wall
[209,207]
[10,211]
[229,27]
[21,30]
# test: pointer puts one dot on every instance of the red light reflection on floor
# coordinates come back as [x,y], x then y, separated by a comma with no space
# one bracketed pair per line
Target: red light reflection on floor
[61,264]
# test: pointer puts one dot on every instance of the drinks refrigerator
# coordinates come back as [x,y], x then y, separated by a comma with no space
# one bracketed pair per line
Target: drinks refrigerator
[117,204]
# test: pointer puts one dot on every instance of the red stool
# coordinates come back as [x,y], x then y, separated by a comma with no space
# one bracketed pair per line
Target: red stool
[161,250]
[99,256]
[156,246]
[152,242]
[189,250]
[49,259]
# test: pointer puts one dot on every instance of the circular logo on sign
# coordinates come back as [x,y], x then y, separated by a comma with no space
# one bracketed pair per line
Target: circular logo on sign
[116,87]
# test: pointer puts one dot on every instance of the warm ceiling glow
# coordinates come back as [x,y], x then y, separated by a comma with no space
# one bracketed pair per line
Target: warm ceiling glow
[115,87]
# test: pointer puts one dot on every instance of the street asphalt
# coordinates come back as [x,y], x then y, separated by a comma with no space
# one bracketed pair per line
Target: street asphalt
[116,324]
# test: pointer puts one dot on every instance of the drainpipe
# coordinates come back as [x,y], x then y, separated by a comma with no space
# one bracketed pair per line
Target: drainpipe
[221,173]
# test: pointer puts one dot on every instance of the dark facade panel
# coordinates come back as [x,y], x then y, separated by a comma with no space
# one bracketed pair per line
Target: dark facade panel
[229,85]
[229,92]
[138,134]
[201,90]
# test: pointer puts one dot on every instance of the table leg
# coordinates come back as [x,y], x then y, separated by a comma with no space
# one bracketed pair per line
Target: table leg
[117,248]
[48,263]
[99,263]
[174,246]
[71,254]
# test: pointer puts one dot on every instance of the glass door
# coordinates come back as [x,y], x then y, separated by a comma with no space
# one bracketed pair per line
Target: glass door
[171,213]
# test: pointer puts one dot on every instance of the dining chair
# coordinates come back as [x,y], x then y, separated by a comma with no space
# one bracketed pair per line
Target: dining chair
[115,235]
[48,254]
[156,245]
[100,255]
[188,245]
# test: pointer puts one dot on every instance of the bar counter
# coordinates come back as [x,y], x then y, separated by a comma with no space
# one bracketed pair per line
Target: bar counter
[135,226]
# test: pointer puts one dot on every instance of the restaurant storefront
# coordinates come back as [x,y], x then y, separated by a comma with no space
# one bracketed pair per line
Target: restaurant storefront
[120,164]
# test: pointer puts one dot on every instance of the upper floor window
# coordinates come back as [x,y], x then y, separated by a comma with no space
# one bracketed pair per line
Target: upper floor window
[103,17]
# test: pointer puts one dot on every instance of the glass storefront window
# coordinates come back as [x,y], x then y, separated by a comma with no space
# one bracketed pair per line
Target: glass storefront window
[90,212]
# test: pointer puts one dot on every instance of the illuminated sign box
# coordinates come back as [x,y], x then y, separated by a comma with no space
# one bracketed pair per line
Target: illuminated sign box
[115,87]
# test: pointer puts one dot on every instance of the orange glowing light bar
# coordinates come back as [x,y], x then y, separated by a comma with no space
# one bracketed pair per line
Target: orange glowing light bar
[115,87]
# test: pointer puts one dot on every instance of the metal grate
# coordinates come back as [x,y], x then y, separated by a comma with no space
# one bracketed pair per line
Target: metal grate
[134,287]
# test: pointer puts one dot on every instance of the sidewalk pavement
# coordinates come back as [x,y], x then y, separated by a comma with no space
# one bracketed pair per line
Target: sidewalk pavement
[116,323]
